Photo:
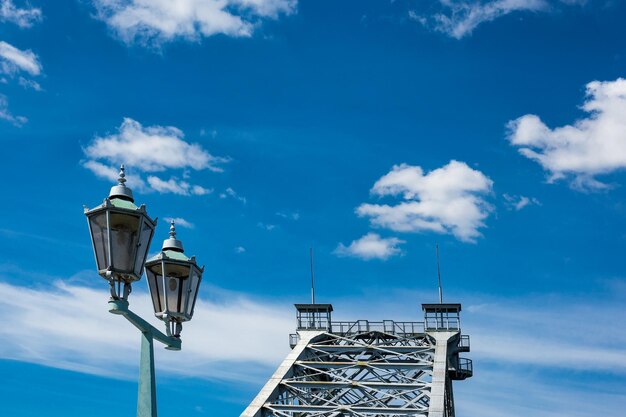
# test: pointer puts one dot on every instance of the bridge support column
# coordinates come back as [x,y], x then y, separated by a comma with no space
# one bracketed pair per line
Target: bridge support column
[437,406]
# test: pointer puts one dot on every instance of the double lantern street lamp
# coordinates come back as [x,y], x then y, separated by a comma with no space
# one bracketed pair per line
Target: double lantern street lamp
[121,234]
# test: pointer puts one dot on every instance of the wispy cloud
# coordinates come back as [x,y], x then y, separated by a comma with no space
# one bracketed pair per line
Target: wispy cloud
[151,149]
[26,83]
[523,392]
[526,340]
[176,186]
[179,221]
[111,173]
[23,17]
[552,349]
[154,22]
[68,326]
[450,199]
[371,246]
[5,114]
[459,18]
[536,332]
[13,60]
[518,202]
[289,215]
[266,226]
[230,193]
[589,147]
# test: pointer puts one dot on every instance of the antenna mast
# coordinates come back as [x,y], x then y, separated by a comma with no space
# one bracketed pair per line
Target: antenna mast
[312,277]
[439,275]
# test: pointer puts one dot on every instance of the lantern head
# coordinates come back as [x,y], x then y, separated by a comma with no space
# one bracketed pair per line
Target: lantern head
[174,280]
[121,234]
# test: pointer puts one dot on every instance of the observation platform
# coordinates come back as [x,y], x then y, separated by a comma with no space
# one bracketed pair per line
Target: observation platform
[437,318]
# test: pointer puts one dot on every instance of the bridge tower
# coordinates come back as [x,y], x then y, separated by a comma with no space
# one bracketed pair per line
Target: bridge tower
[367,369]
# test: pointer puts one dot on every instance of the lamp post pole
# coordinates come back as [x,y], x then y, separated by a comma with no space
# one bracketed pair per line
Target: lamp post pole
[121,234]
[146,396]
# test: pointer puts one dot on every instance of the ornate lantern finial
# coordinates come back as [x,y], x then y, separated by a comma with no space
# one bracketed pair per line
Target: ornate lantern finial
[122,178]
[172,243]
[120,190]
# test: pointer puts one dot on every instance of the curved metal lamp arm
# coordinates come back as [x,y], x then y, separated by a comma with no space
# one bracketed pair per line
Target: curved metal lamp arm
[146,398]
[121,307]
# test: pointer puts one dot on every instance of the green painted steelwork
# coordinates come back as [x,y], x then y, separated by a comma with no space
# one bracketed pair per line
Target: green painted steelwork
[118,202]
[146,397]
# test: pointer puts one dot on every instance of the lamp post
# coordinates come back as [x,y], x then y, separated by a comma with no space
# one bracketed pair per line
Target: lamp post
[121,234]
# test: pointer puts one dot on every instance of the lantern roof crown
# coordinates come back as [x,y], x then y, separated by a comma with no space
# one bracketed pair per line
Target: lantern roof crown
[173,256]
[121,191]
[173,250]
[119,203]
[178,256]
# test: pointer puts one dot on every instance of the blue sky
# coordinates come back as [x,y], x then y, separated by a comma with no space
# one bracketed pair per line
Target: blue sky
[368,130]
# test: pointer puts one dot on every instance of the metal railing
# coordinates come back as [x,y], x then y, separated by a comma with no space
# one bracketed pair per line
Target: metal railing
[464,341]
[443,323]
[385,326]
[465,365]
[317,323]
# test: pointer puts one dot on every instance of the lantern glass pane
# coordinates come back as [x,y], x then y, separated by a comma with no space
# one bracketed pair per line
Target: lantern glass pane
[176,274]
[155,284]
[98,226]
[144,243]
[124,236]
[194,283]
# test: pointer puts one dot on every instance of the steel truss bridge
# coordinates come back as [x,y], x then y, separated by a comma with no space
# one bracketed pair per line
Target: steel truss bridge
[368,369]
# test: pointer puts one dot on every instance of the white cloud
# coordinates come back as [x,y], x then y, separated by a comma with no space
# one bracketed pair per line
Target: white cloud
[591,146]
[159,21]
[229,192]
[5,114]
[151,149]
[371,246]
[289,215]
[552,349]
[556,340]
[13,60]
[518,202]
[68,327]
[112,174]
[200,190]
[524,393]
[26,83]
[24,18]
[240,249]
[459,18]
[449,199]
[174,186]
[268,227]
[179,221]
